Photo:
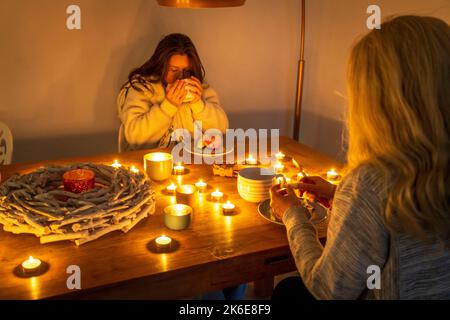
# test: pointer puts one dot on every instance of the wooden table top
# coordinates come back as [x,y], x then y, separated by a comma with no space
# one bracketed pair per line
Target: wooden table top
[212,241]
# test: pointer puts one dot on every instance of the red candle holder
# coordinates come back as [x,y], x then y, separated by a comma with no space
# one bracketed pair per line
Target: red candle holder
[79,180]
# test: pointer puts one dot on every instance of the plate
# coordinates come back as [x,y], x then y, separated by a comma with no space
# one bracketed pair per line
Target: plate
[266,212]
[264,209]
[199,152]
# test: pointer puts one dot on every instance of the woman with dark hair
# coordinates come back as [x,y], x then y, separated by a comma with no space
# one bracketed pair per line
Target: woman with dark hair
[166,93]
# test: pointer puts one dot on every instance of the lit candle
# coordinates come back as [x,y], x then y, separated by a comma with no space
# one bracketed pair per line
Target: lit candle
[186,194]
[158,165]
[134,170]
[177,216]
[279,167]
[201,185]
[300,176]
[280,156]
[332,174]
[217,195]
[251,161]
[178,169]
[172,188]
[31,265]
[228,207]
[116,164]
[163,242]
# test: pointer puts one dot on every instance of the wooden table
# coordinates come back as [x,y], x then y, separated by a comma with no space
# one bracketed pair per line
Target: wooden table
[215,252]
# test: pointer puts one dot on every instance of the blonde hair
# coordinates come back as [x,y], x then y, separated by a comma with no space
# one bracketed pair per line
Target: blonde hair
[398,120]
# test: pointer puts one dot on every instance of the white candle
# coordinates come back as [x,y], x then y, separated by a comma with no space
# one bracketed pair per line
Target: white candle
[178,169]
[172,188]
[251,161]
[116,164]
[134,170]
[332,174]
[228,207]
[217,195]
[31,265]
[279,167]
[280,156]
[163,242]
[201,185]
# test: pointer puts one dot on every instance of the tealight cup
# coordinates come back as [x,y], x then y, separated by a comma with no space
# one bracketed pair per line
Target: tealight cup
[158,165]
[177,216]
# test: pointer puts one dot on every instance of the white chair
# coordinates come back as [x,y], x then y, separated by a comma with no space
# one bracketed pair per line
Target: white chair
[6,144]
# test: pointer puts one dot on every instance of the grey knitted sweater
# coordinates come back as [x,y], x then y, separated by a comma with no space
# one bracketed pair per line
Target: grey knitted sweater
[358,238]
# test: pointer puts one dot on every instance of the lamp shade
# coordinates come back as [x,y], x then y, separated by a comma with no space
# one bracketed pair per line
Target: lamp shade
[201,3]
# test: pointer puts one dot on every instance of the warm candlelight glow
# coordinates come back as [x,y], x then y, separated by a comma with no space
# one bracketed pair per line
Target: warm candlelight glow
[116,164]
[332,174]
[280,156]
[31,265]
[251,161]
[201,185]
[178,169]
[279,167]
[134,170]
[228,207]
[300,176]
[158,165]
[177,216]
[163,242]
[217,195]
[172,188]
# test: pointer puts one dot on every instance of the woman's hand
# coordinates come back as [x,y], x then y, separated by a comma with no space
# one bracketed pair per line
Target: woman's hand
[175,93]
[195,87]
[282,199]
[318,186]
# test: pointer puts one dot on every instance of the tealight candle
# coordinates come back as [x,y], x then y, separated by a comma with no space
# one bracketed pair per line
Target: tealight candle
[177,216]
[279,167]
[116,164]
[251,161]
[31,265]
[280,156]
[163,242]
[300,176]
[228,208]
[332,174]
[201,186]
[217,195]
[172,188]
[134,170]
[186,194]
[178,169]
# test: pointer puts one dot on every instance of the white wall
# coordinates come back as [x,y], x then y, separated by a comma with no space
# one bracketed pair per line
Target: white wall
[58,87]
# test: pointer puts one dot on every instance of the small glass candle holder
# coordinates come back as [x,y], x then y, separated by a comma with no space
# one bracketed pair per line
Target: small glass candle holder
[79,180]
[177,216]
[158,165]
[186,194]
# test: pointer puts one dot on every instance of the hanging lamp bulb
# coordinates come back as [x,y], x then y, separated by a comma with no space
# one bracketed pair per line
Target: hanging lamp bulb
[201,3]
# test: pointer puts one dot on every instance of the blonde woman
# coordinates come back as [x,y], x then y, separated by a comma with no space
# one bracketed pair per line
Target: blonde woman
[392,209]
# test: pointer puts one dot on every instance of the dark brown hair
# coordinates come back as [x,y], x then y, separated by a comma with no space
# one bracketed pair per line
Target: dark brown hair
[156,66]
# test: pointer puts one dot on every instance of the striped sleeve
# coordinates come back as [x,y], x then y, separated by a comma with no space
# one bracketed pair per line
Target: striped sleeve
[356,239]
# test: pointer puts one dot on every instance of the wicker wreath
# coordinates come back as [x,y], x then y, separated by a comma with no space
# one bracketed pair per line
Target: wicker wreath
[36,203]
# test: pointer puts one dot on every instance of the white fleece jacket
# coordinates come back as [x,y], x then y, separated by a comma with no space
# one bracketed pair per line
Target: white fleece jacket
[148,118]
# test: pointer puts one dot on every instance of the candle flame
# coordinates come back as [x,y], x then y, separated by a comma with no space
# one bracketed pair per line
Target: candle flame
[30,258]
